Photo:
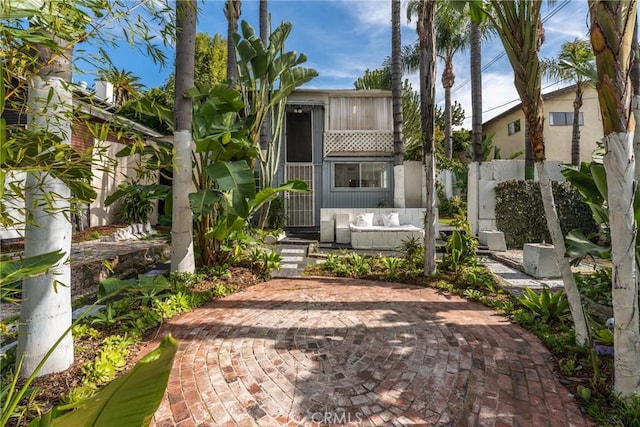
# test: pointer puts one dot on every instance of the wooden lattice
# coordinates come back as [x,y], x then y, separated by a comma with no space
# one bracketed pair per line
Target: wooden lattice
[341,143]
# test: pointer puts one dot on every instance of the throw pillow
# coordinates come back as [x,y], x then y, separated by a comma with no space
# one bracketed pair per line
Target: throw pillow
[391,220]
[364,220]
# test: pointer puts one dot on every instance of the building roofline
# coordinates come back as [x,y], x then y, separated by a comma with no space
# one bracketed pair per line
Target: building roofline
[545,96]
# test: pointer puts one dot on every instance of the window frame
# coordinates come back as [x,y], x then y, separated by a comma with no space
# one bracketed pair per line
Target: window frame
[566,115]
[334,187]
[512,125]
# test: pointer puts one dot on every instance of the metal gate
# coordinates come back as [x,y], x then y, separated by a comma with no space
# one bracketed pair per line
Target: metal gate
[299,206]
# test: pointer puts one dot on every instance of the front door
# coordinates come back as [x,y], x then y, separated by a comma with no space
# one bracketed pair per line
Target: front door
[299,207]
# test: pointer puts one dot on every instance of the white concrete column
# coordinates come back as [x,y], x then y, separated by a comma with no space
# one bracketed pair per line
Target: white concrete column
[398,187]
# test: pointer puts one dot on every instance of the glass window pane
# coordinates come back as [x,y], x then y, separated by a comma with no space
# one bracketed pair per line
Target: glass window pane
[347,175]
[374,175]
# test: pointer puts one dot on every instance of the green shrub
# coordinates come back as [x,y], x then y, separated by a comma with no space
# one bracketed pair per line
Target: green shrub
[520,214]
[549,307]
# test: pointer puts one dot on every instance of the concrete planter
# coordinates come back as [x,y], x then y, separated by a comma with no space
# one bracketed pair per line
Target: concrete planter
[539,261]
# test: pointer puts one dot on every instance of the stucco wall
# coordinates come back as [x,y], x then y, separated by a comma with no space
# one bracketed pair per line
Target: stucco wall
[557,138]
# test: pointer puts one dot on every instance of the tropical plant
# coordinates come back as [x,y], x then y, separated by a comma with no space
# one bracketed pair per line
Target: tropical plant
[267,75]
[549,307]
[519,26]
[126,85]
[392,264]
[575,61]
[137,201]
[130,399]
[410,248]
[612,27]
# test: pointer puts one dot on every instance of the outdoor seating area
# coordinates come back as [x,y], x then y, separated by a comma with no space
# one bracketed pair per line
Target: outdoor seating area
[379,228]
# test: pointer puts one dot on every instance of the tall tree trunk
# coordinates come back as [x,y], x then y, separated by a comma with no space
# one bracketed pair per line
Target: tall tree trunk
[612,28]
[575,134]
[45,311]
[448,80]
[522,47]
[475,49]
[426,35]
[264,22]
[232,13]
[266,134]
[182,256]
[635,82]
[396,93]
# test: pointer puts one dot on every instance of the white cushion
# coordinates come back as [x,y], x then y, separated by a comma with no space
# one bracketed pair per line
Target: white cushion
[391,220]
[364,220]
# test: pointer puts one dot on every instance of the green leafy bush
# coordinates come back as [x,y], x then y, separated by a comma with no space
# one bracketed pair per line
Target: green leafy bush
[520,214]
[549,307]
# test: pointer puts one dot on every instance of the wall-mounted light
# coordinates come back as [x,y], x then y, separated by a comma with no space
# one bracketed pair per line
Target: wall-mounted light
[297,110]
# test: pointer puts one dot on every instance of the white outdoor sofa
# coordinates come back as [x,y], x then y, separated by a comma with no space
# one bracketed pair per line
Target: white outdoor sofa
[375,236]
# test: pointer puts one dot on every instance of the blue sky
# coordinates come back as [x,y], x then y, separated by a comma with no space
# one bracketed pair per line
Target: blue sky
[342,38]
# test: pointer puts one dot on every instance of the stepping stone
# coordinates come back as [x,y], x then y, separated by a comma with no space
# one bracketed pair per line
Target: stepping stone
[292,251]
[292,258]
[289,266]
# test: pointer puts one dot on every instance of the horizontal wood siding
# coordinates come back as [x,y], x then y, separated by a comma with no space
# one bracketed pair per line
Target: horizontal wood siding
[366,113]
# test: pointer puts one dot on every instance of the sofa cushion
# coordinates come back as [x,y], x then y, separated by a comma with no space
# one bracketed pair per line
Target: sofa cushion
[364,220]
[391,220]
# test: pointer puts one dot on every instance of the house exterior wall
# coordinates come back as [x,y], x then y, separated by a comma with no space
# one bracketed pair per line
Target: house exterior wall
[361,123]
[557,138]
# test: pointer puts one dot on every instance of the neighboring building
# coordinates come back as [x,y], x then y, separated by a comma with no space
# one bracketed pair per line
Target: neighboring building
[508,128]
[341,143]
[98,108]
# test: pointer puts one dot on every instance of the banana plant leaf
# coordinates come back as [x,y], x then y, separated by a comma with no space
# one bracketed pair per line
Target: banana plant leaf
[112,286]
[579,246]
[237,178]
[268,194]
[203,202]
[129,400]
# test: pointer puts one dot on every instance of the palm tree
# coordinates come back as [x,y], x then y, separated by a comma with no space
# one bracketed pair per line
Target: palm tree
[396,93]
[426,39]
[612,28]
[519,27]
[126,85]
[232,13]
[574,57]
[182,256]
[452,29]
[452,35]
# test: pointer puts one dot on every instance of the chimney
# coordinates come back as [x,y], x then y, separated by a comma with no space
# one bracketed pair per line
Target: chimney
[104,91]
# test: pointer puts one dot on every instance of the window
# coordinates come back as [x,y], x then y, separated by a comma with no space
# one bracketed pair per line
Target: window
[360,175]
[513,127]
[564,119]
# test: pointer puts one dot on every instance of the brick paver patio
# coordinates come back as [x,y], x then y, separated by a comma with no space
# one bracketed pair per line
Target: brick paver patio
[330,351]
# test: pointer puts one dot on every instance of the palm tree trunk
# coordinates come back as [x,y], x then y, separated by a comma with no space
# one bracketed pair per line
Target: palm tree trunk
[575,135]
[264,22]
[45,311]
[522,48]
[232,13]
[612,28]
[426,35]
[448,80]
[635,82]
[476,92]
[396,92]
[182,256]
